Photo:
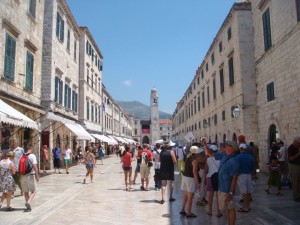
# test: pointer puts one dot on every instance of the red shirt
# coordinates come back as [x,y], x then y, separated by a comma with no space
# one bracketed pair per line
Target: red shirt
[126,158]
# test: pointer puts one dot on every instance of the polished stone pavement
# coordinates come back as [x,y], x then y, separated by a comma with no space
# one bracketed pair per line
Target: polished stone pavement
[63,199]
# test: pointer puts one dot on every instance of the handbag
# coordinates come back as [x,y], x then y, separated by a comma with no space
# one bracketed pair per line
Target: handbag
[150,163]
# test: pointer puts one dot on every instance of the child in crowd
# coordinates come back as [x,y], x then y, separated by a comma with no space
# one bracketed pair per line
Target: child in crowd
[274,176]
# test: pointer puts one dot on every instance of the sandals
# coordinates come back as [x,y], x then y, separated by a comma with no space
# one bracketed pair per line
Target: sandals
[162,202]
[243,210]
[210,214]
[142,188]
[220,215]
[9,209]
[147,189]
[172,199]
[192,215]
[182,213]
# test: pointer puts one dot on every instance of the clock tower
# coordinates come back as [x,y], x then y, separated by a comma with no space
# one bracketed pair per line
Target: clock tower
[154,114]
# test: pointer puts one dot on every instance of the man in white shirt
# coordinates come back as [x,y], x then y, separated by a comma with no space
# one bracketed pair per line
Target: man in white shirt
[19,151]
[29,181]
[67,157]
[156,159]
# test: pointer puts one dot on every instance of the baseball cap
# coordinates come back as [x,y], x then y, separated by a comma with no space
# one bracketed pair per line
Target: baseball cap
[244,146]
[213,147]
[233,144]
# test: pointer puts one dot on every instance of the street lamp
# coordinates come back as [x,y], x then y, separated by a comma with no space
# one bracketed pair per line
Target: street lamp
[236,112]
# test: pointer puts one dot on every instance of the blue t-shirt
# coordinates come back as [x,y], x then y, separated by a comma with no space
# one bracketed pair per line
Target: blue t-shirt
[56,152]
[229,167]
[247,164]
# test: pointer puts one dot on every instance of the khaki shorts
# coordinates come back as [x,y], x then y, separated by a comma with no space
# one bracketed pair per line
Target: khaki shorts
[222,204]
[28,183]
[145,171]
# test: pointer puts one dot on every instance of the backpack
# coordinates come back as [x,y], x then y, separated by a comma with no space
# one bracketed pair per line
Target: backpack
[25,165]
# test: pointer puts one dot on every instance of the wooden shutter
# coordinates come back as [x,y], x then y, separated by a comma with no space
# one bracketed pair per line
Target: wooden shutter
[60,91]
[29,71]
[57,24]
[231,71]
[56,91]
[298,10]
[267,29]
[10,54]
[32,6]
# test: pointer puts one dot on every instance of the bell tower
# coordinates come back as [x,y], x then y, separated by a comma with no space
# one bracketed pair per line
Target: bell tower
[154,114]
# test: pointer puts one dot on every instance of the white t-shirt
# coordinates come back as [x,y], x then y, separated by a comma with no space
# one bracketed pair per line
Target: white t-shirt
[213,166]
[18,154]
[68,154]
[156,154]
[32,158]
[282,154]
[180,153]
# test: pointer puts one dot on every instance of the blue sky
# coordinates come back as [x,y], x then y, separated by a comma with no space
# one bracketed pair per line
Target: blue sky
[151,43]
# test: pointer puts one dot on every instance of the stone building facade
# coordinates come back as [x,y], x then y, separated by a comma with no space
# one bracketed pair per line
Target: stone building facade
[90,82]
[277,46]
[20,68]
[224,81]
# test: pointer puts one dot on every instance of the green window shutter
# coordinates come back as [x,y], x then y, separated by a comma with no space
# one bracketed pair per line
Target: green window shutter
[60,92]
[221,80]
[29,71]
[62,30]
[32,6]
[267,29]
[56,91]
[10,55]
[231,71]
[298,10]
[57,24]
[69,97]
[214,89]
[87,110]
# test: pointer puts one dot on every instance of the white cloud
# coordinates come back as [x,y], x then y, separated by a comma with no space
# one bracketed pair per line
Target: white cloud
[127,83]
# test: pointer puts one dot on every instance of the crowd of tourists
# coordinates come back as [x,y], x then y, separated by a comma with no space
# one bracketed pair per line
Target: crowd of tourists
[207,170]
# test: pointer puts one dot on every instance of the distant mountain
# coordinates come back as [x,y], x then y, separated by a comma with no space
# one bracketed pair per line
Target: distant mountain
[139,110]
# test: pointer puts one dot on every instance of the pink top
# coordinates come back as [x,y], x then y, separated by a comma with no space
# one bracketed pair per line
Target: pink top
[126,158]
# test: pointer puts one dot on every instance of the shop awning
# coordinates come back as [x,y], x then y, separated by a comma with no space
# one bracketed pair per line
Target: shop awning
[12,116]
[119,139]
[105,139]
[80,132]
[129,140]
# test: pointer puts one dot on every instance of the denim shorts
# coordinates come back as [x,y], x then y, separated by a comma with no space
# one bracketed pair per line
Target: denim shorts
[89,165]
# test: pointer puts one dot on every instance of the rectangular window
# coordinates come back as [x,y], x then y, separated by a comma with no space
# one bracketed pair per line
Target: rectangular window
[206,67]
[198,80]
[229,33]
[203,99]
[75,50]
[212,58]
[87,76]
[231,71]
[92,112]
[198,103]
[68,39]
[29,71]
[74,101]
[87,47]
[298,10]
[270,92]
[267,29]
[60,27]
[221,80]
[202,74]
[10,57]
[223,115]
[192,108]
[87,110]
[214,89]
[58,90]
[32,6]
[220,46]
[195,106]
[208,98]
[67,96]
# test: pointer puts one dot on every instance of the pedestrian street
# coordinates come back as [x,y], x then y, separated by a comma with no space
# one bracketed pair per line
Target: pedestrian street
[64,199]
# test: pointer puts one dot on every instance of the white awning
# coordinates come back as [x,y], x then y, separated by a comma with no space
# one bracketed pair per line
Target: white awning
[129,140]
[105,139]
[119,139]
[80,132]
[12,116]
